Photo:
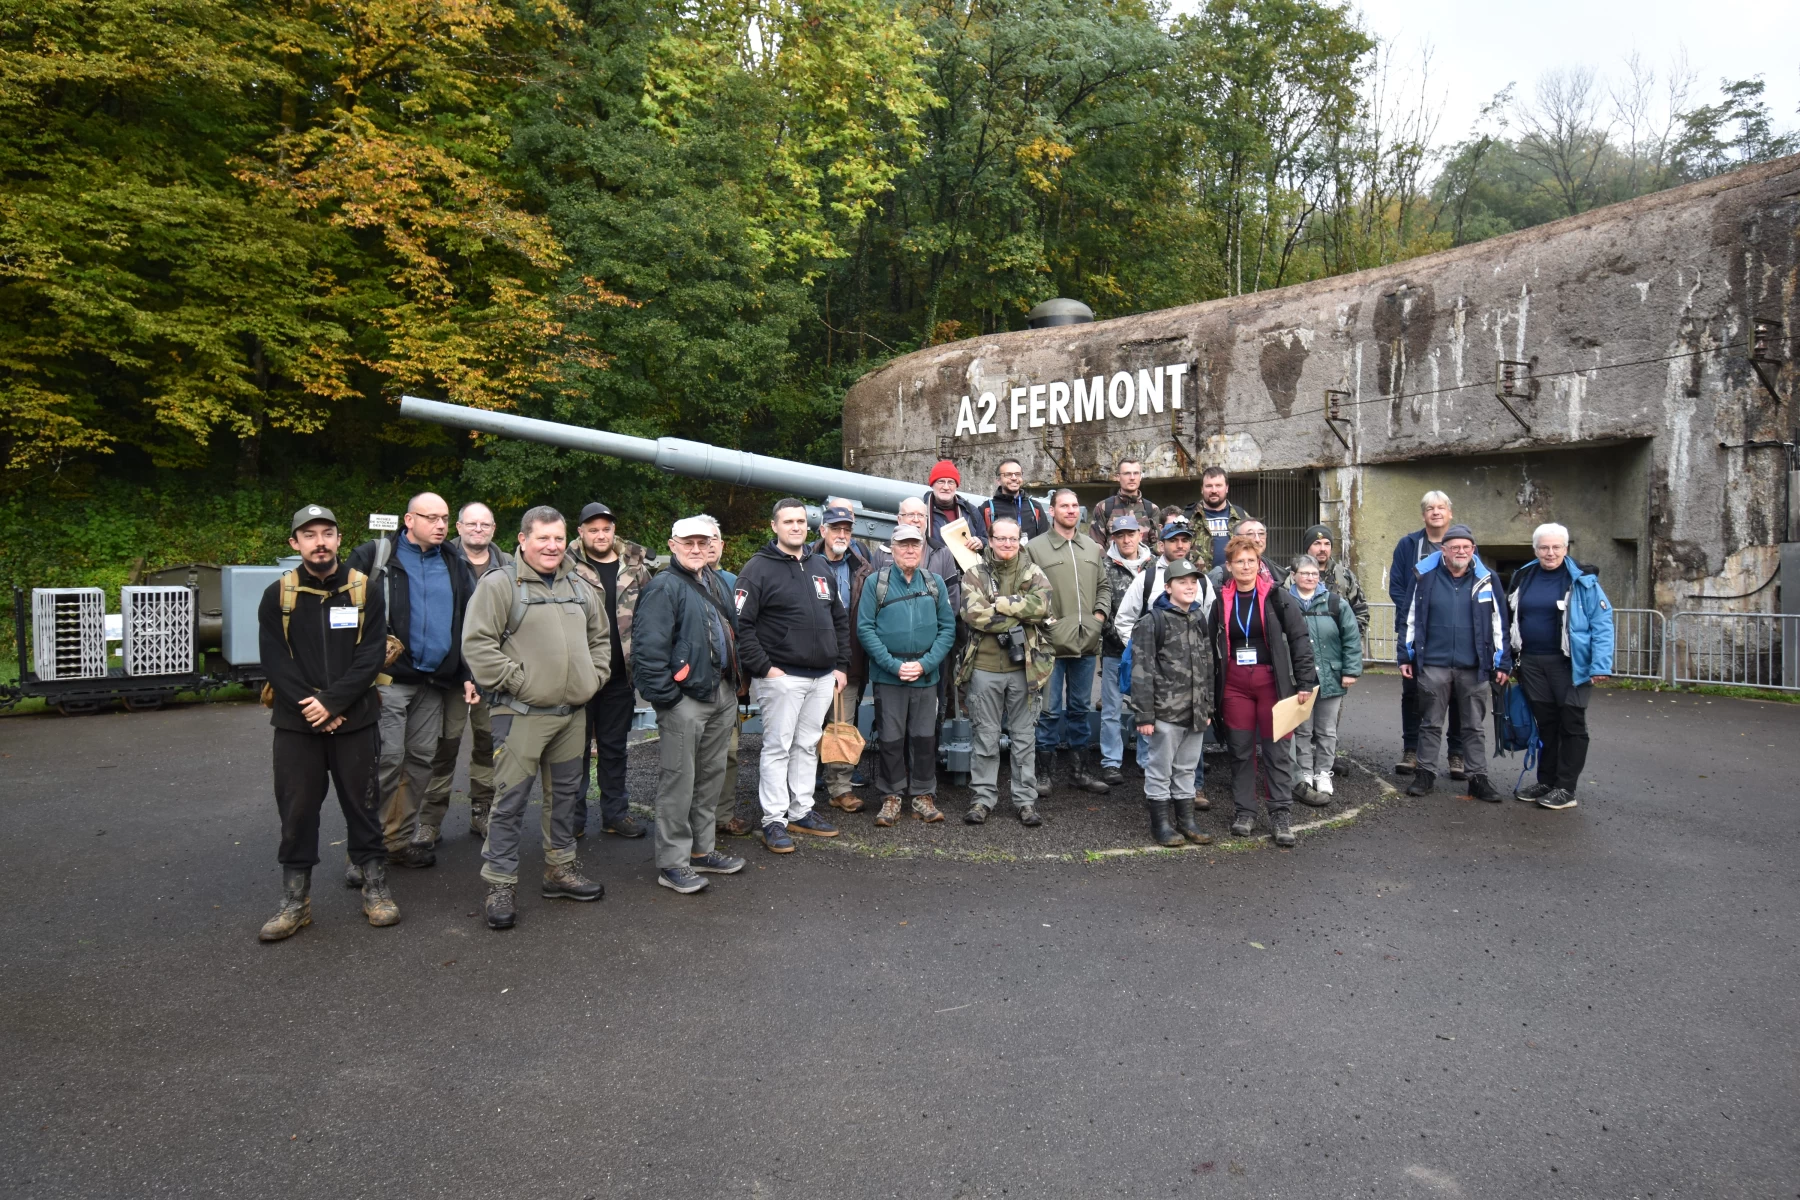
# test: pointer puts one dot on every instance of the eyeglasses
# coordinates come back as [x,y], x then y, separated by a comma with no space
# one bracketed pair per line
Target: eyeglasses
[1003,541]
[476,524]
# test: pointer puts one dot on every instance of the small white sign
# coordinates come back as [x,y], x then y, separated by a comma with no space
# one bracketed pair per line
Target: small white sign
[343,618]
[115,627]
[384,522]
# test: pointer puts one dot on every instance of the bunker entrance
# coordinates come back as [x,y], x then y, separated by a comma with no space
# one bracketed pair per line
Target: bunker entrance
[1286,502]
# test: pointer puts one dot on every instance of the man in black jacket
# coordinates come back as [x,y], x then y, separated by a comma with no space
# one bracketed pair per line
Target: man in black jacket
[1010,501]
[794,635]
[323,633]
[425,589]
[684,659]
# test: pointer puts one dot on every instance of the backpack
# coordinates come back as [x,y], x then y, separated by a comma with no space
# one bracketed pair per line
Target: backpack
[1515,728]
[358,588]
[521,602]
[881,589]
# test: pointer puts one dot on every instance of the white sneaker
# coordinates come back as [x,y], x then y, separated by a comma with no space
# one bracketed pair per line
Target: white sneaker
[1305,779]
[1322,784]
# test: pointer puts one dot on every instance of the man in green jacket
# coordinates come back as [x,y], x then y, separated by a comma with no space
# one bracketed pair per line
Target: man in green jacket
[1082,589]
[536,639]
[906,629]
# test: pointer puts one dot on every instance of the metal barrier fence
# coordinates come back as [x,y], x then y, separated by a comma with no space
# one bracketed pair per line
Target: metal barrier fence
[1640,643]
[1379,646]
[1743,649]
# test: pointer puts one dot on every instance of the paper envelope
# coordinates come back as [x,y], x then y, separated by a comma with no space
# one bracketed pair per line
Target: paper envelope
[1290,712]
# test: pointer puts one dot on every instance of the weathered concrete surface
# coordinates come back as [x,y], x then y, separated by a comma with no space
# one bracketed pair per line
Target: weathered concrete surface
[1635,319]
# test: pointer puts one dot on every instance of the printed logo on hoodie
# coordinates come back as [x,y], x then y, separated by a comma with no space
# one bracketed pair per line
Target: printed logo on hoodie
[821,588]
[742,596]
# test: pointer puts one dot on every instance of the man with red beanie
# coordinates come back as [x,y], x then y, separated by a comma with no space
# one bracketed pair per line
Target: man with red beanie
[946,506]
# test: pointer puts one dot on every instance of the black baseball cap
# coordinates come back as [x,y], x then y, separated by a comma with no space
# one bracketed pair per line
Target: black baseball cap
[596,509]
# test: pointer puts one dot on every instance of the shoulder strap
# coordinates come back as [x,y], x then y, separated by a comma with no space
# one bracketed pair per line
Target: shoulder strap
[358,587]
[1333,605]
[290,594]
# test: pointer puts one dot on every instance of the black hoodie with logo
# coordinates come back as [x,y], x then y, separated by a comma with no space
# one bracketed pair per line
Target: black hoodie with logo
[789,615]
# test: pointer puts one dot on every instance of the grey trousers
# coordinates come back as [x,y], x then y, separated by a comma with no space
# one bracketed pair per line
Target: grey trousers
[1276,762]
[1315,742]
[1467,689]
[413,716]
[906,740]
[693,738]
[457,717]
[1174,753]
[522,746]
[999,701]
[730,805]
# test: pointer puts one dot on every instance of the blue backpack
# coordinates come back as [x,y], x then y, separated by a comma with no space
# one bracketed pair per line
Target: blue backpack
[1515,728]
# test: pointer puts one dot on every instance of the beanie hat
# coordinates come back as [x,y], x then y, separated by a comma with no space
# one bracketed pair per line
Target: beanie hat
[945,469]
[1457,531]
[1314,533]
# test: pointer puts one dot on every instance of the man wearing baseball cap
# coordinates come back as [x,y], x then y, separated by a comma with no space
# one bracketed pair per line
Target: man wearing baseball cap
[323,634]
[850,565]
[1126,558]
[945,506]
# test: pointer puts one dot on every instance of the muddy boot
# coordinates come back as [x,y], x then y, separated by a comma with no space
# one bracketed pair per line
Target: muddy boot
[1078,776]
[478,818]
[566,882]
[1408,763]
[353,874]
[1161,832]
[925,809]
[1184,821]
[296,906]
[499,907]
[378,898]
[890,812]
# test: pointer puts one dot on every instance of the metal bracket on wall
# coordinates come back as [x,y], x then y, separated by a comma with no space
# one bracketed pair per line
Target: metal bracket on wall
[1334,414]
[1512,381]
[1765,334]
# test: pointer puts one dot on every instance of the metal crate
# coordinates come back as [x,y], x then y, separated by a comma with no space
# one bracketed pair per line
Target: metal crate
[159,630]
[69,633]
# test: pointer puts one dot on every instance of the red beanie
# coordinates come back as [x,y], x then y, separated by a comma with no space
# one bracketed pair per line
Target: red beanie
[945,469]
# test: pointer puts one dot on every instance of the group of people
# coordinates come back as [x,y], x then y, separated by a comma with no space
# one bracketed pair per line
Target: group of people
[377,664]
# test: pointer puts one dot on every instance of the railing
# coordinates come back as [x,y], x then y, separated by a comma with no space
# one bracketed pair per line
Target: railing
[1640,644]
[1378,647]
[1759,650]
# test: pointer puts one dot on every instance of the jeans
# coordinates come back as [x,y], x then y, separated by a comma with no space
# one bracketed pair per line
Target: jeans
[1062,722]
[692,738]
[1561,712]
[1452,691]
[1000,701]
[793,715]
[1116,721]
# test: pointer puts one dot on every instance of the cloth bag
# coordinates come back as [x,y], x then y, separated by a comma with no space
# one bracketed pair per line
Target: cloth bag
[841,742]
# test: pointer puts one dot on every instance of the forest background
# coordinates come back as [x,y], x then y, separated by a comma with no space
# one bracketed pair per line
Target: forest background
[233,232]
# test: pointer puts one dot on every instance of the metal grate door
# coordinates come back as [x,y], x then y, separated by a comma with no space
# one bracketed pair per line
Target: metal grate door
[1286,502]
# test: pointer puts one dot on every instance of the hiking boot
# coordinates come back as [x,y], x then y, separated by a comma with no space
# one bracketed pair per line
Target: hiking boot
[1409,762]
[413,855]
[814,824]
[736,827]
[478,821]
[1046,772]
[353,875]
[1309,794]
[977,814]
[1077,774]
[890,812]
[1423,779]
[1028,816]
[499,907]
[378,898]
[1457,770]
[296,907]
[1112,776]
[715,863]
[427,837]
[1481,789]
[564,881]
[1161,832]
[1532,791]
[1243,824]
[625,826]
[1184,820]
[682,879]
[775,837]
[849,802]
[925,809]
[1284,832]
[1557,798]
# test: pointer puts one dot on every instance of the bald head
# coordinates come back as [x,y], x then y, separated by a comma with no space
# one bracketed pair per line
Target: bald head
[915,512]
[427,520]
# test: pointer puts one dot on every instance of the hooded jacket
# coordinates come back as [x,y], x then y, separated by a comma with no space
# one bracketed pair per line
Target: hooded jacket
[1123,572]
[1080,585]
[789,615]
[561,652]
[396,590]
[1336,638]
[634,574]
[1142,595]
[338,666]
[1491,617]
[1587,620]
[1172,666]
[1336,575]
[1203,536]
[1285,628]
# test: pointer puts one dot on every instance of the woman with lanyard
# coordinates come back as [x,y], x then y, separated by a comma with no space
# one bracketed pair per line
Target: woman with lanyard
[1264,653]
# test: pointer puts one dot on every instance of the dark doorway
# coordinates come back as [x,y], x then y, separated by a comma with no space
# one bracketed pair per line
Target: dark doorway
[1284,501]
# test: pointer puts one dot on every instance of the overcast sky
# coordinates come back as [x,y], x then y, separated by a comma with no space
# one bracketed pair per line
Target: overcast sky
[1478,49]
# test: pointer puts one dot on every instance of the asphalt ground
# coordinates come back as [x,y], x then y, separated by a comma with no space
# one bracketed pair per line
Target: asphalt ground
[1439,998]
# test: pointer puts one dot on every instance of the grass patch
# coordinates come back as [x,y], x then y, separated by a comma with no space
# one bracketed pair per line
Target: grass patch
[1730,691]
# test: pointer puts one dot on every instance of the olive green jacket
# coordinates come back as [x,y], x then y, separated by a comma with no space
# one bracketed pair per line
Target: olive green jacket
[1080,584]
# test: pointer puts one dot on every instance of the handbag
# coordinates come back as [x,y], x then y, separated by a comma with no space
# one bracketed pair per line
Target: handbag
[841,742]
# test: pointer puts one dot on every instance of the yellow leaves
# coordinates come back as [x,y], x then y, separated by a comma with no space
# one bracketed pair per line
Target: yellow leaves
[1042,161]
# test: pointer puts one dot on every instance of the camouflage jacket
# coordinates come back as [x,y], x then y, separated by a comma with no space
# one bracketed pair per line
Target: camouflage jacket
[1027,603]
[1100,527]
[1172,666]
[634,574]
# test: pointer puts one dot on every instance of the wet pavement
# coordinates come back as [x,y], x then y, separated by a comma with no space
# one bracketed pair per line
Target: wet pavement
[1437,998]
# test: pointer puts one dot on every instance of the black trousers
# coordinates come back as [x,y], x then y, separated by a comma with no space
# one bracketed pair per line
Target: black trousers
[906,740]
[608,727]
[1560,709]
[304,763]
[1410,714]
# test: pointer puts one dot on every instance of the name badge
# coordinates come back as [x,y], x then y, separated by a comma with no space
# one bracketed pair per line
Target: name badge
[1246,656]
[343,618]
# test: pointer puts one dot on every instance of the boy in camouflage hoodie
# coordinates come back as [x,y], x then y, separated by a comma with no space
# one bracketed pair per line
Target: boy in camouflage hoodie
[1172,696]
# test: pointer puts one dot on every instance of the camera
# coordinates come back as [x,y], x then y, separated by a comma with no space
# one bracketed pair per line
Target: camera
[1013,642]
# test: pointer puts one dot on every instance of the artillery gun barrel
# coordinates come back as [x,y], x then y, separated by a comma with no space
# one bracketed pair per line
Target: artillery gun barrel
[680,457]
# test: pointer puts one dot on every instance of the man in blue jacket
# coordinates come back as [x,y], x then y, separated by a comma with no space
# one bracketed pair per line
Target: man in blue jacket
[1452,643]
[1412,550]
[905,626]
[1563,636]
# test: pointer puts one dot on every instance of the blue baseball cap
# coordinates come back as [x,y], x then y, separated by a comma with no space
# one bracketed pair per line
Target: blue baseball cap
[1177,529]
[837,514]
[1125,521]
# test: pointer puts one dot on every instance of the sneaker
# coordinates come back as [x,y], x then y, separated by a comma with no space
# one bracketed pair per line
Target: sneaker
[715,863]
[1409,762]
[1532,791]
[890,812]
[775,837]
[1423,779]
[625,826]
[1284,833]
[925,809]
[1028,816]
[849,802]
[1557,798]
[1456,767]
[977,814]
[565,881]
[1243,825]
[500,909]
[814,824]
[681,879]
[1481,789]
[858,779]
[1322,784]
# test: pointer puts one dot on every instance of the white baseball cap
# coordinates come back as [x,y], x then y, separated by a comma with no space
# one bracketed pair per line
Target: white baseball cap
[694,527]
